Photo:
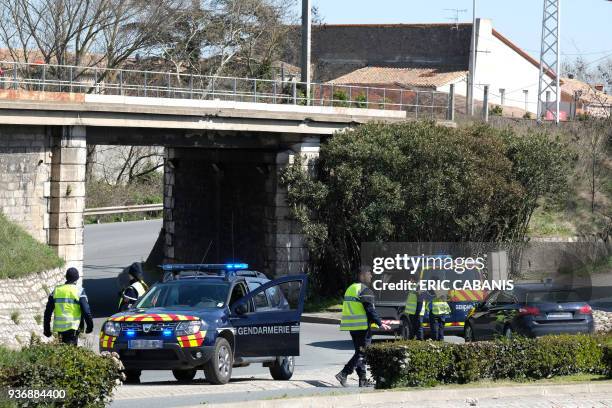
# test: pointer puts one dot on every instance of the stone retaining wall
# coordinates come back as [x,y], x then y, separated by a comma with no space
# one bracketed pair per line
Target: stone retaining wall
[603,321]
[22,306]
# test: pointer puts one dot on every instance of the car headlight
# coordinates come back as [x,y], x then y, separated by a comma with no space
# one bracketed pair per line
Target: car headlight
[187,328]
[112,328]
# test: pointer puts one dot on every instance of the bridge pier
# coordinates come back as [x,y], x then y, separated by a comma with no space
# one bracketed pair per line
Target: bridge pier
[67,194]
[42,185]
[228,205]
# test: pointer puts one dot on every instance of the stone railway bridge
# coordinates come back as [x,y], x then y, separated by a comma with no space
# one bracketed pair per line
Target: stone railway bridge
[222,166]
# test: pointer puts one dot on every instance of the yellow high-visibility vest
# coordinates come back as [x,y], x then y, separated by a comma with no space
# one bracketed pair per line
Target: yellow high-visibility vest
[411,304]
[439,307]
[67,311]
[353,313]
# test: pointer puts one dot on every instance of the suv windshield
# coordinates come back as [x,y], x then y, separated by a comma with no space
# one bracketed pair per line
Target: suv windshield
[186,294]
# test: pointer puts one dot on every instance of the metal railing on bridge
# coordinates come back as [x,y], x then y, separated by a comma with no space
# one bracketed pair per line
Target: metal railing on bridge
[106,81]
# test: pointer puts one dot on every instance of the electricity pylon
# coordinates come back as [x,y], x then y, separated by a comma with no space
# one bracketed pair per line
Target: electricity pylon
[549,91]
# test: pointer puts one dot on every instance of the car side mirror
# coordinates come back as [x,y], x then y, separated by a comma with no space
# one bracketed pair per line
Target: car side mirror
[241,309]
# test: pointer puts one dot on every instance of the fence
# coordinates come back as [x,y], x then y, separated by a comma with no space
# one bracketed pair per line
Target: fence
[122,209]
[96,80]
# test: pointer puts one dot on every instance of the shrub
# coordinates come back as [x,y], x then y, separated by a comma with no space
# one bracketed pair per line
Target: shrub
[607,359]
[340,99]
[414,363]
[87,378]
[496,111]
[416,181]
[361,101]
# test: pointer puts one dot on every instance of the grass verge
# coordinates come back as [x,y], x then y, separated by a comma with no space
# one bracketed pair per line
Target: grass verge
[22,255]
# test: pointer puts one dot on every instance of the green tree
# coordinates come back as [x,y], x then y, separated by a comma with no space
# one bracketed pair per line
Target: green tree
[417,181]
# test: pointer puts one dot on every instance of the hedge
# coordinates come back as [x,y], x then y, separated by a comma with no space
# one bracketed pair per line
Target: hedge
[88,378]
[417,363]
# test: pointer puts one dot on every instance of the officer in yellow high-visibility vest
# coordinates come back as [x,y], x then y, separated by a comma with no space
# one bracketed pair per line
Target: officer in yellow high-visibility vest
[358,316]
[415,309]
[136,289]
[438,309]
[69,307]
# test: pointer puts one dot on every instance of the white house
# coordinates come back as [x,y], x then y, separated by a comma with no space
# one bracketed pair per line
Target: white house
[429,56]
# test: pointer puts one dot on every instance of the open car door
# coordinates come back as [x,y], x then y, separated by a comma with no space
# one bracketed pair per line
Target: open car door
[267,320]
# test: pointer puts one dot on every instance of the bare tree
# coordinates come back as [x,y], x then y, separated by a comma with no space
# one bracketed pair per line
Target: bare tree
[125,164]
[78,32]
[213,36]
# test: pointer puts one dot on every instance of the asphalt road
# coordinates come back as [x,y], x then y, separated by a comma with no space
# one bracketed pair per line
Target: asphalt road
[111,247]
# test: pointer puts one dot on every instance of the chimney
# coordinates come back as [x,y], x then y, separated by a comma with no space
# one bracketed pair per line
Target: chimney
[599,87]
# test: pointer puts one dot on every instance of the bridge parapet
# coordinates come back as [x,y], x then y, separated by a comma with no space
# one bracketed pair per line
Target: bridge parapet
[62,79]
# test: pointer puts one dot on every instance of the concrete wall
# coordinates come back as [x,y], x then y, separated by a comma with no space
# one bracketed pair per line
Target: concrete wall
[25,174]
[22,306]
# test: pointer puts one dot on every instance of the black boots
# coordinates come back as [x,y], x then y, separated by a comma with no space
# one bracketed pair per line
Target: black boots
[365,382]
[341,377]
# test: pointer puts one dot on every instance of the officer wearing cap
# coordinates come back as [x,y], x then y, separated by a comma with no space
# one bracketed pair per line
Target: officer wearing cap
[69,307]
[136,288]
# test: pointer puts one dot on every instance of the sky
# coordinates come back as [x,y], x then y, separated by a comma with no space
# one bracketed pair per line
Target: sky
[586,25]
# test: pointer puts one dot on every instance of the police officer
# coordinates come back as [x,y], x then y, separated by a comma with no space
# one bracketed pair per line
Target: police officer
[358,315]
[135,290]
[438,310]
[415,309]
[69,307]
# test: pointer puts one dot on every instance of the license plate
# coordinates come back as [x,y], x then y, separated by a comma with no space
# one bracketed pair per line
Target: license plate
[560,316]
[145,344]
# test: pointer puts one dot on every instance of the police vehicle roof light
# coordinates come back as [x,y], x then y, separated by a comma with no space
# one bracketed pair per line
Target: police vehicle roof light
[204,267]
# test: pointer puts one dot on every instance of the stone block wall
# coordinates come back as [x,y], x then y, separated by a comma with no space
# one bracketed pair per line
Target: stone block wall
[22,306]
[25,173]
[67,194]
[230,206]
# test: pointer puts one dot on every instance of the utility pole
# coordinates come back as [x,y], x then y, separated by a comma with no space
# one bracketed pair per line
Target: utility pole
[550,60]
[306,46]
[472,75]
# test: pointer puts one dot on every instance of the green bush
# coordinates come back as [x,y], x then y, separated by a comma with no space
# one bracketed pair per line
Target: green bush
[496,111]
[340,99]
[417,363]
[87,378]
[607,359]
[417,181]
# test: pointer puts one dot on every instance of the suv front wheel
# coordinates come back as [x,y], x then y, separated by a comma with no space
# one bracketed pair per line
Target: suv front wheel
[282,369]
[218,370]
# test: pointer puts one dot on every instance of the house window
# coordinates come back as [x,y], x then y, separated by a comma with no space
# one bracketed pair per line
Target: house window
[502,96]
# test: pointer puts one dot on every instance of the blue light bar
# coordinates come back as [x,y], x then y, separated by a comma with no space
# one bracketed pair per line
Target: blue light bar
[130,333]
[204,267]
[237,266]
[167,332]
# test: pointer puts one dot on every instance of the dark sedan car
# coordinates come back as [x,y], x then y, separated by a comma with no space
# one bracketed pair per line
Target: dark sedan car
[529,310]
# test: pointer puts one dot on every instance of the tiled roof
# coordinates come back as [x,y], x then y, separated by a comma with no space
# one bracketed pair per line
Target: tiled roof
[400,77]
[587,93]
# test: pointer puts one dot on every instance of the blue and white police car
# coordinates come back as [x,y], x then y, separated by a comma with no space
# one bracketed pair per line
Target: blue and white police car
[212,317]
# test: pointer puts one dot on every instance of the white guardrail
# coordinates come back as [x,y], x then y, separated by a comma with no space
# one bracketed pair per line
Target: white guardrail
[123,209]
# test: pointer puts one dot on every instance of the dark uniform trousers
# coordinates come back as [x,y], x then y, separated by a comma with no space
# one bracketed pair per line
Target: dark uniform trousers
[417,323]
[69,337]
[361,339]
